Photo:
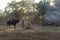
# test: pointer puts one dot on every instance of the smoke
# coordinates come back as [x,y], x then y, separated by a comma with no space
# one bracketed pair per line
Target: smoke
[53,14]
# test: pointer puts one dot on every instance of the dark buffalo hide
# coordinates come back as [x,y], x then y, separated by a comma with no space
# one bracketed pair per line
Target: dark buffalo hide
[12,22]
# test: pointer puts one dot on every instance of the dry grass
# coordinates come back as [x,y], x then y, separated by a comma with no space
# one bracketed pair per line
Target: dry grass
[37,33]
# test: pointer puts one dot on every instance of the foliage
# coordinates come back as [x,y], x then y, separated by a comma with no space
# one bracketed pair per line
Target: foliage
[41,12]
[19,10]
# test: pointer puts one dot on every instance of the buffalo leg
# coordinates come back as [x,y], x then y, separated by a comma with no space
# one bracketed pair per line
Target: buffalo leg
[15,26]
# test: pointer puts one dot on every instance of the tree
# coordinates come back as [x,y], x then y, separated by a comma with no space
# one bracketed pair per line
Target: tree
[21,9]
[41,9]
[14,9]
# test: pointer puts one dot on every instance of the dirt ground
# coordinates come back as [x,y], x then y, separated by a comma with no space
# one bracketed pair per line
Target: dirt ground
[36,33]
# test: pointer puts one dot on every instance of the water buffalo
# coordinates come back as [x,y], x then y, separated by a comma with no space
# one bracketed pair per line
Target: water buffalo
[12,22]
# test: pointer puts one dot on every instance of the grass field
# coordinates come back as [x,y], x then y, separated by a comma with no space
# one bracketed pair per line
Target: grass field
[36,33]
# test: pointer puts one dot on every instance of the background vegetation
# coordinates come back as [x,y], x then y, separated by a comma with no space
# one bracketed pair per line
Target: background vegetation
[31,11]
